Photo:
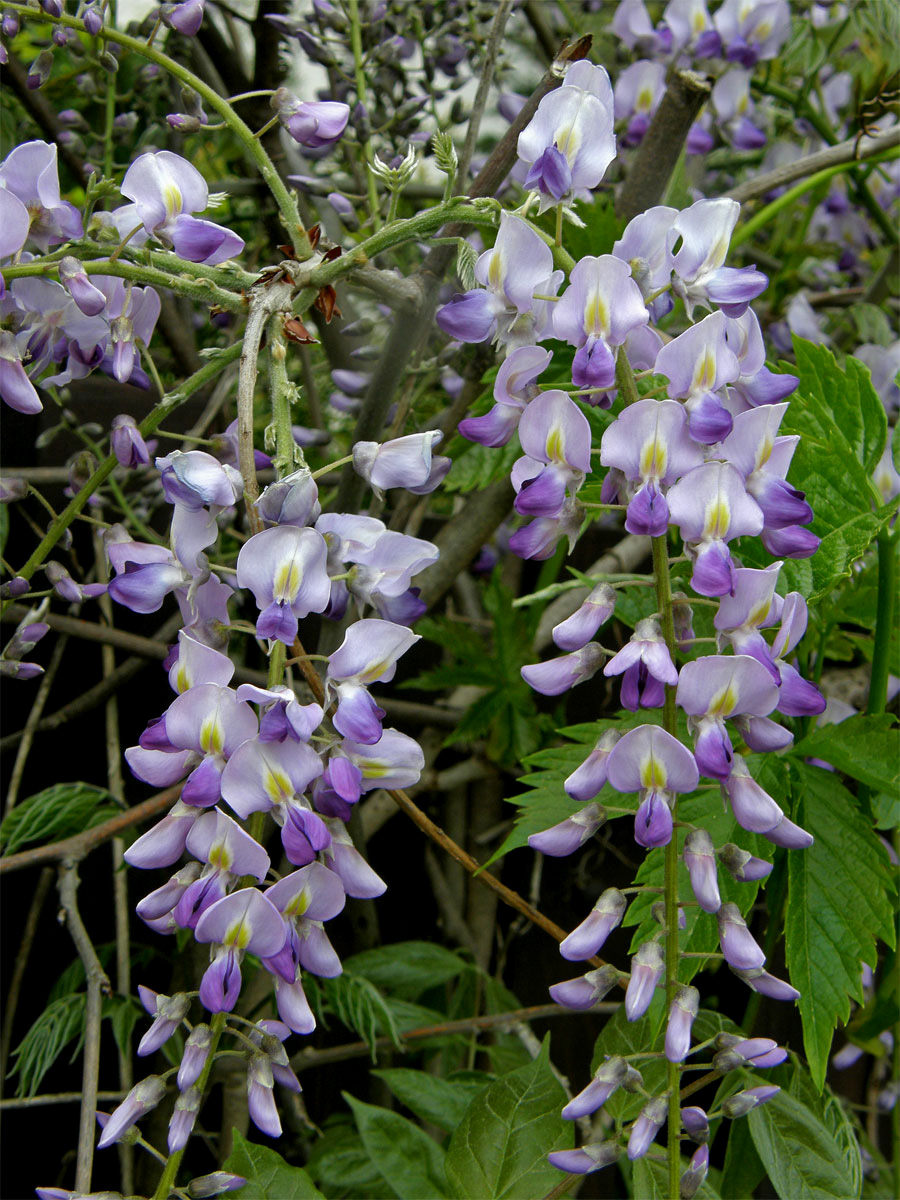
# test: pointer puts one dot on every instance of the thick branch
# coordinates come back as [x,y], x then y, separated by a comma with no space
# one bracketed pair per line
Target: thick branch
[661,145]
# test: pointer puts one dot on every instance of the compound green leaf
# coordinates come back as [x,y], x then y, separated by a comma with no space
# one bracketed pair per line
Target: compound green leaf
[866,748]
[403,1154]
[268,1176]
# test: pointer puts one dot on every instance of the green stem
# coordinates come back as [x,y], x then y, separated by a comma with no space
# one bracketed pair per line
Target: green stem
[288,454]
[204,291]
[625,379]
[887,586]
[766,214]
[254,150]
[167,1179]
[360,76]
[664,604]
[169,402]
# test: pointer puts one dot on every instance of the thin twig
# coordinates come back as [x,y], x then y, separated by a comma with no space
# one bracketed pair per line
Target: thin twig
[491,50]
[304,1060]
[853,150]
[18,974]
[32,722]
[48,1098]
[97,982]
[81,844]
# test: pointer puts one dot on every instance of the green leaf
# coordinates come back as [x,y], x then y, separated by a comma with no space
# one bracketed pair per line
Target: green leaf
[339,1162]
[842,427]
[829,1110]
[61,1022]
[406,968]
[501,1145]
[443,1102]
[123,1013]
[404,1156]
[361,1007]
[839,902]
[801,1155]
[268,1176]
[742,1169]
[55,813]
[866,748]
[478,466]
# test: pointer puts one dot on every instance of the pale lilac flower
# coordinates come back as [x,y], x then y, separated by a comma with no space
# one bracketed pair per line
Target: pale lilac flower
[164,843]
[313,123]
[734,108]
[687,21]
[368,654]
[518,265]
[632,25]
[212,723]
[16,389]
[698,364]
[646,245]
[29,172]
[558,675]
[650,761]
[738,945]
[638,92]
[555,436]
[185,18]
[645,1128]
[797,697]
[569,835]
[228,853]
[74,279]
[743,1102]
[763,459]
[196,663]
[598,310]
[284,567]
[394,761]
[166,190]
[514,387]
[261,1095]
[699,858]
[647,967]
[181,1124]
[167,1011]
[753,30]
[586,939]
[578,629]
[569,142]
[711,507]
[606,1080]
[767,985]
[700,275]
[282,715]
[713,688]
[342,857]
[743,866]
[756,384]
[243,922]
[587,990]
[732,1051]
[161,903]
[645,658]
[196,1052]
[591,1157]
[306,898]
[127,443]
[212,1185]
[132,314]
[143,1097]
[405,462]
[682,1011]
[586,781]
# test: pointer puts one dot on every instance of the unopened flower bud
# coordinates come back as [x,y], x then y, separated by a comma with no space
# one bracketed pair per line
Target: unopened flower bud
[645,1127]
[39,71]
[214,1184]
[681,1017]
[126,442]
[646,968]
[633,1080]
[93,19]
[187,1106]
[12,488]
[692,1179]
[742,1103]
[743,866]
[196,1052]
[108,62]
[589,936]
[9,24]
[74,279]
[140,1100]
[586,991]
[696,1124]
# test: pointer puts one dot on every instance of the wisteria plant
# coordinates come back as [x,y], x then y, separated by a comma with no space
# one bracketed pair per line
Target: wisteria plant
[540,360]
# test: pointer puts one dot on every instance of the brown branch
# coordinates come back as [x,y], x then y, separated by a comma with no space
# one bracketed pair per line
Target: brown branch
[81,844]
[853,150]
[48,1098]
[304,1060]
[654,162]
[97,982]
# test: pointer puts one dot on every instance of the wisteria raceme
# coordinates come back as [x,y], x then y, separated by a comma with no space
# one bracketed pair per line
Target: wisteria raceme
[630,388]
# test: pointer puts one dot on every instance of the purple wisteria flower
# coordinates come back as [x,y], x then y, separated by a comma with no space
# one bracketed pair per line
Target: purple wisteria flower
[647,968]
[29,172]
[646,666]
[638,92]
[569,142]
[755,810]
[586,781]
[700,859]
[645,1128]
[578,629]
[734,109]
[586,939]
[569,835]
[587,990]
[15,221]
[651,445]
[246,921]
[650,761]
[559,675]
[797,697]
[714,688]
[763,459]
[518,265]
[752,606]
[698,364]
[514,387]
[555,435]
[166,190]
[227,853]
[405,462]
[682,1011]
[646,245]
[143,1097]
[711,507]
[368,654]
[312,123]
[754,31]
[598,310]
[700,276]
[756,384]
[606,1080]
[284,568]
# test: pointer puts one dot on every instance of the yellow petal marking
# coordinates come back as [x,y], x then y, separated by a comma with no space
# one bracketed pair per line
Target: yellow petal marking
[596,315]
[288,578]
[212,738]
[718,519]
[220,856]
[653,773]
[298,905]
[238,935]
[723,702]
[278,787]
[654,458]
